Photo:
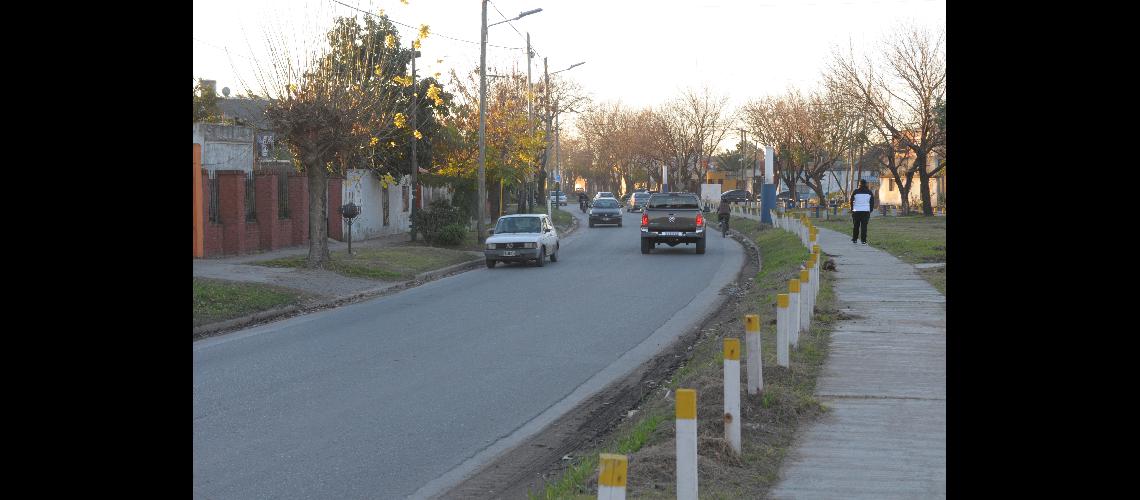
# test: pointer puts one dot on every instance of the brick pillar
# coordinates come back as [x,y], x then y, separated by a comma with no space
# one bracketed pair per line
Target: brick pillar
[299,208]
[231,210]
[266,201]
[199,222]
[336,222]
[213,233]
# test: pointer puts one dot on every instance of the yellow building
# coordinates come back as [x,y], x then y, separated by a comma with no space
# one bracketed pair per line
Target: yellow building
[726,184]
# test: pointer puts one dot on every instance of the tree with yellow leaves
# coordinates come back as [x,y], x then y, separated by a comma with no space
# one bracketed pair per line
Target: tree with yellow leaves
[342,111]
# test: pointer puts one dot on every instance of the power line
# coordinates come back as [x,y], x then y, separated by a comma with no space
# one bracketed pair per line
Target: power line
[507,20]
[415,28]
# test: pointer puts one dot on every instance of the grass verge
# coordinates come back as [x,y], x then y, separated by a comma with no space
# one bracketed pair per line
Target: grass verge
[769,420]
[218,300]
[387,263]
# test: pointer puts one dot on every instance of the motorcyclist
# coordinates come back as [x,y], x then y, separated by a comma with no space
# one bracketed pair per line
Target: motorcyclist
[723,211]
[582,201]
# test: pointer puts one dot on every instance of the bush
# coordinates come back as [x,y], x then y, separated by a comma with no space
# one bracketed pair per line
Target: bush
[431,222]
[451,234]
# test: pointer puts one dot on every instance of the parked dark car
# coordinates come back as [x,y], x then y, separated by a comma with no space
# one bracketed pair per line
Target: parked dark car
[737,195]
[605,211]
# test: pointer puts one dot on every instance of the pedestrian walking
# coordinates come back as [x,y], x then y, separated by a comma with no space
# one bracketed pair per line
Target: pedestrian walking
[862,202]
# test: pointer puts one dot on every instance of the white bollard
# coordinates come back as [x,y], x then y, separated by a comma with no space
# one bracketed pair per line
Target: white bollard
[813,282]
[611,480]
[793,312]
[732,391]
[781,331]
[805,302]
[755,365]
[816,269]
[686,444]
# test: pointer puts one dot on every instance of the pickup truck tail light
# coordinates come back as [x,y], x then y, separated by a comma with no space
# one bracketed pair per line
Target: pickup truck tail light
[644,220]
[700,220]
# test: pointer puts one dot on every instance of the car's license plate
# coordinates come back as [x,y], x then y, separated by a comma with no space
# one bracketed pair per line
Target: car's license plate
[509,253]
[671,233]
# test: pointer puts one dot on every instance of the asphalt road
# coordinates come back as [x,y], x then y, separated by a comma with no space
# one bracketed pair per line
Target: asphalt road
[400,395]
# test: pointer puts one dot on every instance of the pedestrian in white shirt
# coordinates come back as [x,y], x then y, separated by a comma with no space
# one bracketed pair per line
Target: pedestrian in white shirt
[862,203]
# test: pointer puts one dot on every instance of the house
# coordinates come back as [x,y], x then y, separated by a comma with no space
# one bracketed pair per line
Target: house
[890,195]
[248,147]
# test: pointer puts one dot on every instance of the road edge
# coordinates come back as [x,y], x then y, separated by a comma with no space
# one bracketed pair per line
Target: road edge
[509,467]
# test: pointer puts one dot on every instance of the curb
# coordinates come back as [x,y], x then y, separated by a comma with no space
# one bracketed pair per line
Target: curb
[293,310]
[288,311]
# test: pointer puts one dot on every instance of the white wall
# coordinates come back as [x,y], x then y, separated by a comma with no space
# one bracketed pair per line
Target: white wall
[363,188]
[225,147]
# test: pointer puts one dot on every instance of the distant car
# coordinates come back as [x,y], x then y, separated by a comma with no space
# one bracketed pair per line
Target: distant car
[558,196]
[637,201]
[604,194]
[605,211]
[522,238]
[625,198]
[737,195]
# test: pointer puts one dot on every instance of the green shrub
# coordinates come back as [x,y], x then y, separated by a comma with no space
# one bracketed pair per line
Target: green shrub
[451,234]
[440,213]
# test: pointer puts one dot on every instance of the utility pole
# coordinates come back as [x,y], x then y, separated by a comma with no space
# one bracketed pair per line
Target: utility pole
[546,153]
[415,141]
[743,137]
[482,124]
[529,109]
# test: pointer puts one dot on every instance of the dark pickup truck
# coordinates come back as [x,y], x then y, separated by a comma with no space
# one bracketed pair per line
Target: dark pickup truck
[672,219]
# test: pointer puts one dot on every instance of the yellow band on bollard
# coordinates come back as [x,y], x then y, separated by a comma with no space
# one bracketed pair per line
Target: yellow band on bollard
[752,322]
[687,403]
[613,469]
[793,286]
[782,300]
[732,349]
[805,276]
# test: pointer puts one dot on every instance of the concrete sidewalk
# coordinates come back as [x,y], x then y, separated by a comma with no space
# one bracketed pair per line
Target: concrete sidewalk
[315,281]
[884,381]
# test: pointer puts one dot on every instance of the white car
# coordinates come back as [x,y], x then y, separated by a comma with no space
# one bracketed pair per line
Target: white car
[522,238]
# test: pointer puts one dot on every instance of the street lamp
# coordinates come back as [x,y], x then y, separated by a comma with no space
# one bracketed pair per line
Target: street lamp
[557,150]
[483,113]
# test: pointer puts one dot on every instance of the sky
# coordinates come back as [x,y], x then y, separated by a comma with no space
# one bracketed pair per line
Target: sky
[639,52]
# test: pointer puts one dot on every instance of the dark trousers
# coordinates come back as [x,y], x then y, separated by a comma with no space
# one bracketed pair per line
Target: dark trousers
[859,232]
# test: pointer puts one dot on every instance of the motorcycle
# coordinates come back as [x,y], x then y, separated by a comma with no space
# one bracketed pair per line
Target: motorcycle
[582,205]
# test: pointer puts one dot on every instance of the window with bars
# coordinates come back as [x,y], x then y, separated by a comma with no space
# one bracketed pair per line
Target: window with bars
[282,196]
[250,206]
[890,184]
[405,191]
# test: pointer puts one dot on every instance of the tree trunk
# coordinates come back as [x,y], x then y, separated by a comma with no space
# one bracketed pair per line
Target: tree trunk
[318,215]
[924,183]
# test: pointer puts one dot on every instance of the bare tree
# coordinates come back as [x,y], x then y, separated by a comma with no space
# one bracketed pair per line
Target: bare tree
[688,129]
[340,108]
[902,94]
[772,121]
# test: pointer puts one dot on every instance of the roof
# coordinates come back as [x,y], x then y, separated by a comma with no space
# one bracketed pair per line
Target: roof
[249,112]
[521,215]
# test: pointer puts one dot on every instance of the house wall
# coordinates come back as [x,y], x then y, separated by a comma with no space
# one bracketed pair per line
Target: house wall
[225,147]
[887,196]
[363,188]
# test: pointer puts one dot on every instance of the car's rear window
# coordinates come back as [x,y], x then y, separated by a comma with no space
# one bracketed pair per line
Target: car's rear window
[605,204]
[673,201]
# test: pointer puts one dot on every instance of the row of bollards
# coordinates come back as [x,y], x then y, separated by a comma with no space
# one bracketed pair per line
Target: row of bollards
[794,312]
